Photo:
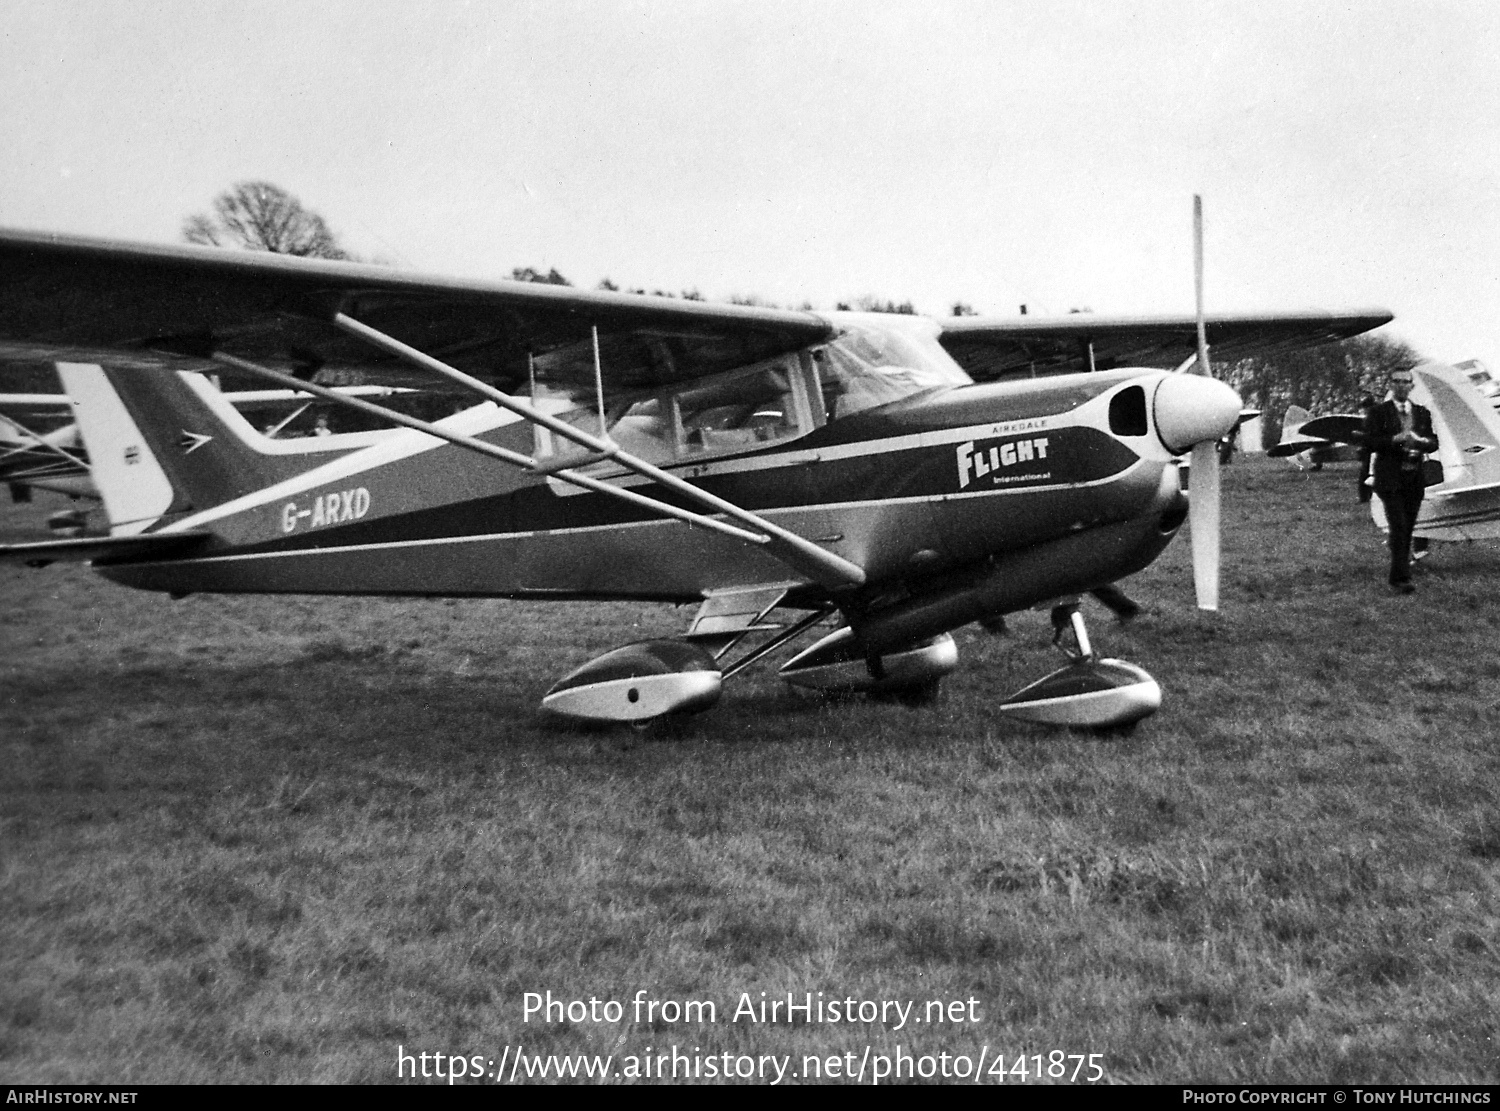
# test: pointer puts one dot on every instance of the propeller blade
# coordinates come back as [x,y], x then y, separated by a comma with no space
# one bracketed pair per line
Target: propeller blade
[1203,367]
[1203,499]
[1203,523]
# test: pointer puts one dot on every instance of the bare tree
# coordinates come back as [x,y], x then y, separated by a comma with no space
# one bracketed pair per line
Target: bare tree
[263,217]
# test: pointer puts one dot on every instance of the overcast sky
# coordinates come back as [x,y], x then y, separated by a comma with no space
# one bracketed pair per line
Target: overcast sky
[1348,153]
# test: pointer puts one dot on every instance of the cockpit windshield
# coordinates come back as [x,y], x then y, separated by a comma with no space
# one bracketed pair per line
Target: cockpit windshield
[878,359]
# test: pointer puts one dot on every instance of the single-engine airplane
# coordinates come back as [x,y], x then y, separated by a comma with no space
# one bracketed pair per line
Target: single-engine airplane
[901,474]
[1310,442]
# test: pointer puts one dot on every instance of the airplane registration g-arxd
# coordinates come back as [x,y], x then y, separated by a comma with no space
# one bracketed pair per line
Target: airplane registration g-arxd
[901,474]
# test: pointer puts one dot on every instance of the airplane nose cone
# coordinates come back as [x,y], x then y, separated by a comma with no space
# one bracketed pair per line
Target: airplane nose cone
[1191,408]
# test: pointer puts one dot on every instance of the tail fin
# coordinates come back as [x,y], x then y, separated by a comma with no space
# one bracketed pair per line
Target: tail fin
[1295,418]
[1292,442]
[1467,425]
[165,443]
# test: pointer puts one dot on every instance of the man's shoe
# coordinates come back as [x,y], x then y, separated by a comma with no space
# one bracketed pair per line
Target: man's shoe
[1403,588]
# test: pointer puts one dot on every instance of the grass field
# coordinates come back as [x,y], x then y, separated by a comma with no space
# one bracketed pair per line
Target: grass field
[261,839]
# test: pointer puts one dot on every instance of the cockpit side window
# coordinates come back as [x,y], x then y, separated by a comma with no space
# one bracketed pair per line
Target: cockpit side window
[869,363]
[743,409]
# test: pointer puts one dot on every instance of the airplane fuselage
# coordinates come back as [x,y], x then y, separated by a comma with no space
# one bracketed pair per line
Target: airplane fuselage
[1041,487]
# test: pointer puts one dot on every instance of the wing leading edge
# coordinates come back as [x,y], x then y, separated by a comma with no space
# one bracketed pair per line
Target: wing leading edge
[989,348]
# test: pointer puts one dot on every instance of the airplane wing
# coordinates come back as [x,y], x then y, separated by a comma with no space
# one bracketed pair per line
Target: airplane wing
[83,300]
[990,348]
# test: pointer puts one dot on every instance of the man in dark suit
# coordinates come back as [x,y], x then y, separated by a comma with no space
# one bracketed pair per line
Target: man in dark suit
[1399,434]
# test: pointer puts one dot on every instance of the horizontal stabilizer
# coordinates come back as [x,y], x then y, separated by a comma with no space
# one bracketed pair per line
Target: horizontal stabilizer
[82,548]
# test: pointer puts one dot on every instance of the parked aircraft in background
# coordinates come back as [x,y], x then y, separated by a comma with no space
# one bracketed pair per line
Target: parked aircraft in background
[828,466]
[56,459]
[1465,504]
[53,460]
[1309,441]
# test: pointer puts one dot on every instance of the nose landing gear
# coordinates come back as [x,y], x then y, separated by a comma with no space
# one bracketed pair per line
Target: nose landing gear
[1089,692]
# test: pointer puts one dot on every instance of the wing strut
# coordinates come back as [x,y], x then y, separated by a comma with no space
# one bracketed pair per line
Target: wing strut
[37,443]
[494,451]
[795,551]
[515,458]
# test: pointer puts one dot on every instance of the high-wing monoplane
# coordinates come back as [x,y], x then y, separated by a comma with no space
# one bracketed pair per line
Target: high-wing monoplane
[1310,442]
[899,476]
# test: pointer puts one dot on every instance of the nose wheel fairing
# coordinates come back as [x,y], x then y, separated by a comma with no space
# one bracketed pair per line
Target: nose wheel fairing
[1089,692]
